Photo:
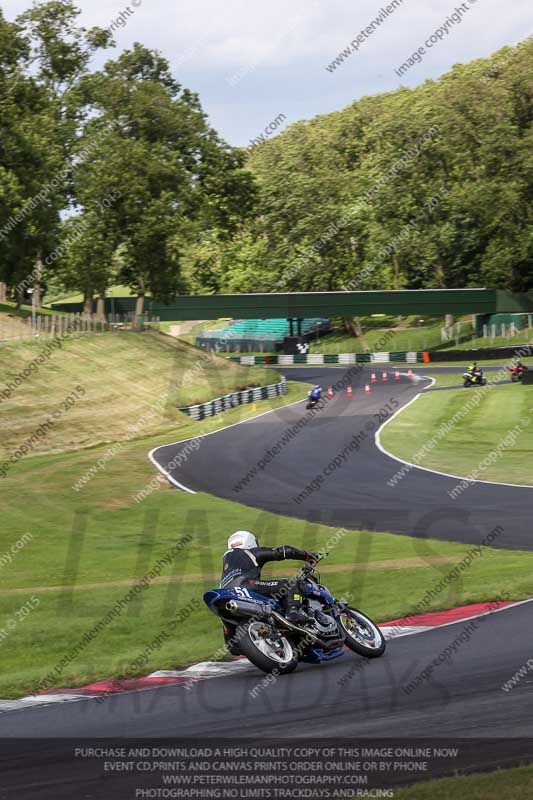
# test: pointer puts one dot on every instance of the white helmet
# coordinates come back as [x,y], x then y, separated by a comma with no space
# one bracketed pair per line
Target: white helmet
[243,539]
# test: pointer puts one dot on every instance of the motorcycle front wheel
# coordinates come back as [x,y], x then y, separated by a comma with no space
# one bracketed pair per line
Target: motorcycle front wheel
[361,634]
[267,648]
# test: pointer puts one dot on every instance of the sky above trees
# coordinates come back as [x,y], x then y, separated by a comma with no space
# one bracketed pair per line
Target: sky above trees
[252,62]
[110,172]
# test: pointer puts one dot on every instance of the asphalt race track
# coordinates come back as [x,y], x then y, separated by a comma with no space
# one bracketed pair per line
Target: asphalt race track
[461,700]
[356,494]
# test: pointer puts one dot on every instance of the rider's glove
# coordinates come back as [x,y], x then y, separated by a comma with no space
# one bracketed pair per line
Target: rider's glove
[312,557]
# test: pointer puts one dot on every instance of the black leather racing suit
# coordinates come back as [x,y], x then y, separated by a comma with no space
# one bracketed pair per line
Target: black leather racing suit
[242,567]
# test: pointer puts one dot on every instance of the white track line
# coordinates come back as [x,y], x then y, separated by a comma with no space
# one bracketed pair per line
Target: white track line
[377,440]
[182,486]
[379,445]
[207,670]
[203,435]
[412,629]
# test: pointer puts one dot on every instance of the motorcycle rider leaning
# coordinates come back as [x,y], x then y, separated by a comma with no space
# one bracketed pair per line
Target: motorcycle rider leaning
[475,372]
[241,566]
[315,393]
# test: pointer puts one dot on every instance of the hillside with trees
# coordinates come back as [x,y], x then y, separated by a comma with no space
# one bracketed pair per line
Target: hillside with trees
[423,188]
[114,176]
[105,176]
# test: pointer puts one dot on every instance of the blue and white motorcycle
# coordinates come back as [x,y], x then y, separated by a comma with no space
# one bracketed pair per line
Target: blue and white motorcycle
[255,626]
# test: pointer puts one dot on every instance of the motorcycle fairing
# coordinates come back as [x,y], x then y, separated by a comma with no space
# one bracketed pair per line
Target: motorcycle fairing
[317,590]
[314,655]
[238,593]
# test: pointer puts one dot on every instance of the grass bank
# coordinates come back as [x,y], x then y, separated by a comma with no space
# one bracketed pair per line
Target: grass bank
[482,433]
[89,547]
[14,323]
[75,538]
[403,338]
[120,385]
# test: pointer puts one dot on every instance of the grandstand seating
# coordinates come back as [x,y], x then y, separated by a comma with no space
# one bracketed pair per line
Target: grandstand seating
[257,334]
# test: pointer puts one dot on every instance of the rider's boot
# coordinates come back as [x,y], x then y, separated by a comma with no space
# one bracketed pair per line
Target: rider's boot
[294,612]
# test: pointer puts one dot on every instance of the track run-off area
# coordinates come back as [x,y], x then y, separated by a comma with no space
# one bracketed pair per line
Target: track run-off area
[333,469]
[460,702]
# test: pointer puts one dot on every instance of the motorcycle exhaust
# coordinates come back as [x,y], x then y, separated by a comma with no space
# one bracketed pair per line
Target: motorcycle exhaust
[245,608]
[251,610]
[292,627]
[314,639]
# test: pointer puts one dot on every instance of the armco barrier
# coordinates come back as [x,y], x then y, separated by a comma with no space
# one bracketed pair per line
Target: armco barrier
[209,409]
[331,358]
[404,357]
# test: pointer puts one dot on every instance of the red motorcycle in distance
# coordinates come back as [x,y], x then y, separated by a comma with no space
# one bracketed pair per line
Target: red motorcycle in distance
[516,372]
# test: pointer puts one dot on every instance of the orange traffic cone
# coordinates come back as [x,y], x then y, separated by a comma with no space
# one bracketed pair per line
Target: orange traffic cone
[368,390]
[349,391]
[385,377]
[330,391]
[410,373]
[373,378]
[397,375]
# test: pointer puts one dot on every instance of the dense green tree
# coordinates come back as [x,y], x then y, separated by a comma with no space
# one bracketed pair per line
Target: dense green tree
[430,187]
[43,57]
[116,176]
[176,180]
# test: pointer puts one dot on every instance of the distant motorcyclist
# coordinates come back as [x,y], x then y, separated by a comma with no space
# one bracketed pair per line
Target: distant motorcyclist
[517,370]
[475,372]
[315,393]
[242,563]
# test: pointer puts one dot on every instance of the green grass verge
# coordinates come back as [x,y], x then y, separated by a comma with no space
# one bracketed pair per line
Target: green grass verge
[425,337]
[122,375]
[14,323]
[456,378]
[25,311]
[523,336]
[505,784]
[97,537]
[101,535]
[445,378]
[483,431]
[486,362]
[59,296]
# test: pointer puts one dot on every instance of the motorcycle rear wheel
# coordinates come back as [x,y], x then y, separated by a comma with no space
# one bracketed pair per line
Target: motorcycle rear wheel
[266,648]
[361,634]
